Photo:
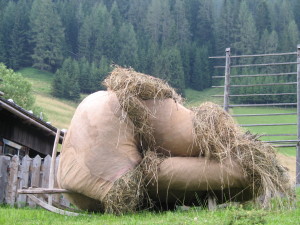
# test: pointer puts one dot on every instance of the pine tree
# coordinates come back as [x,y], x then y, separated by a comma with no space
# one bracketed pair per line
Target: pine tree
[127,46]
[247,36]
[169,68]
[6,25]
[71,13]
[182,29]
[47,35]
[225,27]
[200,76]
[159,21]
[204,29]
[84,79]
[19,53]
[262,17]
[2,48]
[65,84]
[96,35]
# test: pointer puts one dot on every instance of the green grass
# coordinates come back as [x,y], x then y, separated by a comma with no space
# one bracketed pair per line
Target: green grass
[195,98]
[195,215]
[289,129]
[41,80]
[59,112]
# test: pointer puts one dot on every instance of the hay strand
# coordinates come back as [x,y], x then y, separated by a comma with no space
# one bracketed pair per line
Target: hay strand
[219,138]
[131,88]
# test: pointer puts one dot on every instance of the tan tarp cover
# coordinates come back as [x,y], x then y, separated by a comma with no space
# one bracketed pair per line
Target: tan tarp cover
[99,147]
[179,178]
[173,127]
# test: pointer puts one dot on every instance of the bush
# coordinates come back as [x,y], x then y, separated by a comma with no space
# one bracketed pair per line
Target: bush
[16,87]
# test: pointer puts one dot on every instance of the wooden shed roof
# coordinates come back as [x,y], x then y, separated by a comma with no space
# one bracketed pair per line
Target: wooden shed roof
[23,127]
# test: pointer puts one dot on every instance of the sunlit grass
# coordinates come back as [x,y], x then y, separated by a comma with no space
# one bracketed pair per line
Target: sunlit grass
[194,215]
[195,98]
[58,113]
[41,80]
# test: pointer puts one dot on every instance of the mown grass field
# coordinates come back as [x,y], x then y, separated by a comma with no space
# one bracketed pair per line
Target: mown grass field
[229,216]
[60,112]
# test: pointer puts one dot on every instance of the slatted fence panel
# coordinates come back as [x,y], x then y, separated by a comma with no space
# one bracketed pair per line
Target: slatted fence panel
[16,174]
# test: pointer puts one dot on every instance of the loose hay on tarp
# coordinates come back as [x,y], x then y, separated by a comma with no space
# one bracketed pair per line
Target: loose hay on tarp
[215,133]
[219,138]
[129,193]
[131,88]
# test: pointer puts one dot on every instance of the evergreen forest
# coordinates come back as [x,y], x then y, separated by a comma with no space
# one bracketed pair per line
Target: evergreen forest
[78,40]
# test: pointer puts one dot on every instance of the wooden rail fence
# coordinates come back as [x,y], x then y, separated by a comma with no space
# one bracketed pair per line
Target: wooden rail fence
[17,174]
[230,83]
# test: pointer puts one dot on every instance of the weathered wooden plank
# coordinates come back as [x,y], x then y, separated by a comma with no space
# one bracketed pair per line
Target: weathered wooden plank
[256,55]
[257,75]
[263,64]
[42,191]
[23,179]
[56,198]
[52,208]
[52,165]
[35,176]
[298,119]
[4,164]
[46,171]
[12,181]
[227,80]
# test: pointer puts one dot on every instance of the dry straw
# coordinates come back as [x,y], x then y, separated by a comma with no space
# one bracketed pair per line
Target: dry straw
[218,136]
[215,133]
[131,88]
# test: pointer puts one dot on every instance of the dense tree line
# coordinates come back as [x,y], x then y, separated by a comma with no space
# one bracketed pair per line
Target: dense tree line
[170,39]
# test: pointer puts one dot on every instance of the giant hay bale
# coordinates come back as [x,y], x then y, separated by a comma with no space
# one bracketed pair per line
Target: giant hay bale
[99,150]
[136,146]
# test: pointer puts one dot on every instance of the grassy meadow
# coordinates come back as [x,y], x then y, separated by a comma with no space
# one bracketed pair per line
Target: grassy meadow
[232,215]
[59,112]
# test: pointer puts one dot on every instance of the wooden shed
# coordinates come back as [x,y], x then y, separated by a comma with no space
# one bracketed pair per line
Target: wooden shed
[22,133]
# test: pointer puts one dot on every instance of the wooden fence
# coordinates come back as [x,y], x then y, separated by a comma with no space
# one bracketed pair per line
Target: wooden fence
[17,174]
[229,84]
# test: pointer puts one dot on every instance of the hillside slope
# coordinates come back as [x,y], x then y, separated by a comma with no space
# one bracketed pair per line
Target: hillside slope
[59,112]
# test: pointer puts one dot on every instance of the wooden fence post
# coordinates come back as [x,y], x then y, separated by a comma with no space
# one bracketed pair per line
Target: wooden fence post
[56,197]
[227,81]
[298,114]
[52,166]
[24,178]
[35,176]
[4,163]
[45,171]
[11,190]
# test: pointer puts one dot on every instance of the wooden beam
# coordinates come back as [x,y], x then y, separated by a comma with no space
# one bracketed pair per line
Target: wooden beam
[298,119]
[43,191]
[52,208]
[52,166]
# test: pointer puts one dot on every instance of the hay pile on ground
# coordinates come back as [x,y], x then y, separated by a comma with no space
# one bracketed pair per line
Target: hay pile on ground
[215,133]
[127,160]
[220,138]
[131,89]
